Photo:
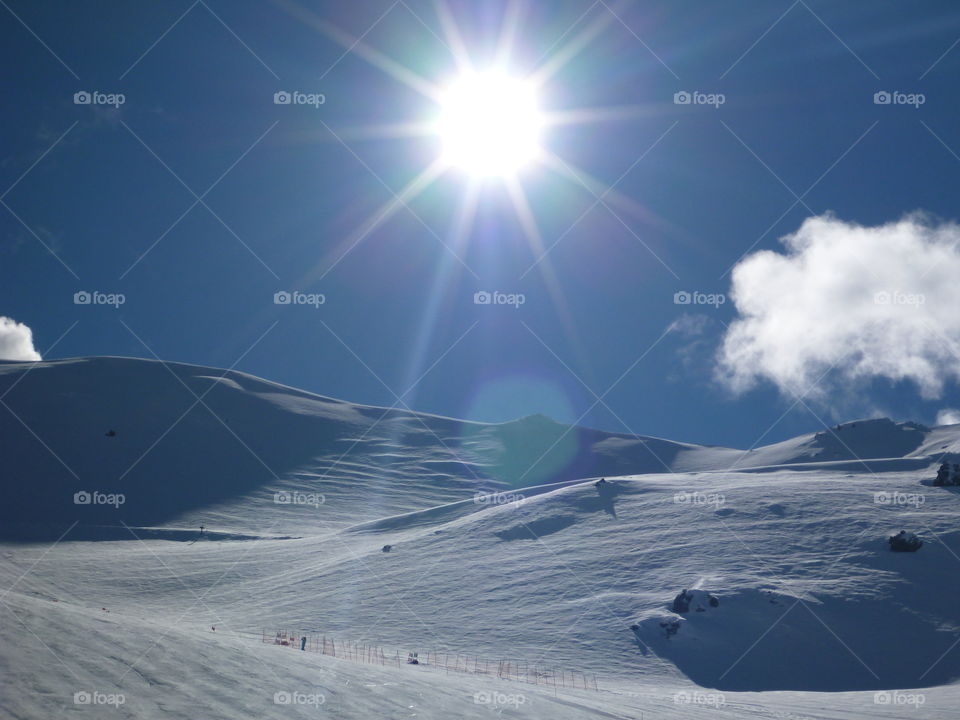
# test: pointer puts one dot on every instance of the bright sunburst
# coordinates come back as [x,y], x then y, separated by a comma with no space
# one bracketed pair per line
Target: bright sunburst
[490,124]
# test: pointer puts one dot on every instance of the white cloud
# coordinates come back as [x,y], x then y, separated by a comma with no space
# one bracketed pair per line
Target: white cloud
[689,325]
[948,416]
[16,341]
[847,303]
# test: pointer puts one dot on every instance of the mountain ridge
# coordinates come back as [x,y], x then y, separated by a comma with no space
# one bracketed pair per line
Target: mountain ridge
[182,442]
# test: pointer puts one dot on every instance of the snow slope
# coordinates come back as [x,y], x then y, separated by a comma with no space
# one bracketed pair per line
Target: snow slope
[189,438]
[815,615]
[195,444]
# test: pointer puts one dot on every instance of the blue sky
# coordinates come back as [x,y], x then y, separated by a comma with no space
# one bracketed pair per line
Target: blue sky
[105,199]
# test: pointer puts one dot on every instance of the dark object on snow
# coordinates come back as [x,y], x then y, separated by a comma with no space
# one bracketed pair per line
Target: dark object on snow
[387,548]
[904,542]
[303,643]
[943,475]
[110,433]
[604,488]
[683,601]
[670,627]
[413,659]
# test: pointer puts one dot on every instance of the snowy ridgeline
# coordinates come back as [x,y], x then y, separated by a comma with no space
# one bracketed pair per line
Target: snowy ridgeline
[679,591]
[176,444]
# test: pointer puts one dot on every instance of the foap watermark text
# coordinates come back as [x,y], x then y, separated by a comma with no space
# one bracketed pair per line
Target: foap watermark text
[295,297]
[95,297]
[295,97]
[292,497]
[495,297]
[95,497]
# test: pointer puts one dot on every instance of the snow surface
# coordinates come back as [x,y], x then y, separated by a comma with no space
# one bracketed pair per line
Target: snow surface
[816,617]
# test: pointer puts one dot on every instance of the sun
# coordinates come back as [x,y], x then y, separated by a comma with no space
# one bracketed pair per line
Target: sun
[495,124]
[490,124]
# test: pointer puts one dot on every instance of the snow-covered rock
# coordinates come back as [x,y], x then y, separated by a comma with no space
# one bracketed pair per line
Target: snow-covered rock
[905,541]
[694,601]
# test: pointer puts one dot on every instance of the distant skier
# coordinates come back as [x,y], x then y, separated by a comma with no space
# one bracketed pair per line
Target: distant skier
[303,643]
[201,529]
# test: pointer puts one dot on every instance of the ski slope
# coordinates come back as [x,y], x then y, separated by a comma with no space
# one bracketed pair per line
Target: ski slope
[815,617]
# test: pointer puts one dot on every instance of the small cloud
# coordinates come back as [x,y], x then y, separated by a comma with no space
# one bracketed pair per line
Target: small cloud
[689,325]
[948,416]
[16,341]
[846,304]
[696,343]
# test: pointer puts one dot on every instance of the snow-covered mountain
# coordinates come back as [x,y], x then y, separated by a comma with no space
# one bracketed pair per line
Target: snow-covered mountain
[813,617]
[186,444]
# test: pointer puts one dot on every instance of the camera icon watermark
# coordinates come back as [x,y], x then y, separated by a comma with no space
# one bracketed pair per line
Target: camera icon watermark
[295,97]
[695,97]
[295,697]
[295,297]
[682,297]
[95,497]
[895,97]
[95,97]
[95,297]
[495,297]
